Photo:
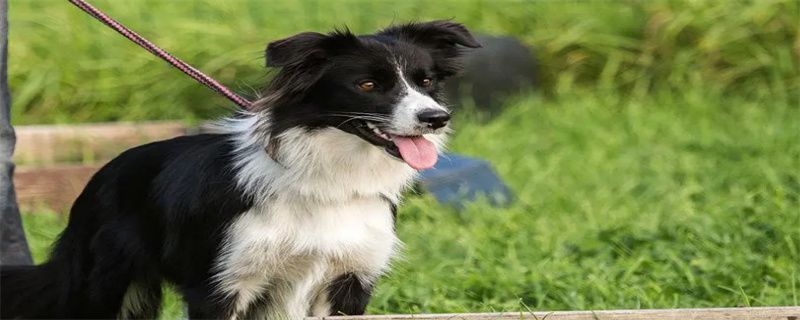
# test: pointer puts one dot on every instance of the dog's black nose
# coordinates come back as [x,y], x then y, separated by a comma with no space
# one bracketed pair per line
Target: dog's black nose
[434,118]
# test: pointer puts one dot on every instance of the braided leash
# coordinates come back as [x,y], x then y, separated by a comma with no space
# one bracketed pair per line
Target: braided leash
[175,62]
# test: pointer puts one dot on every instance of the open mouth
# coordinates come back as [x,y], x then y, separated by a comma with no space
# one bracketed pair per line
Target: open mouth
[416,151]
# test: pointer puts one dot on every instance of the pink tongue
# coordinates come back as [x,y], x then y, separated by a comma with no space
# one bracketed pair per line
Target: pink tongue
[418,152]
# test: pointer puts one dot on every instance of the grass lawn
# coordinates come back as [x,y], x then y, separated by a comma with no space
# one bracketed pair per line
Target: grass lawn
[679,199]
[65,67]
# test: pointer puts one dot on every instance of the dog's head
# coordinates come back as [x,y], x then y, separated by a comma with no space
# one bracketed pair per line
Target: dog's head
[383,88]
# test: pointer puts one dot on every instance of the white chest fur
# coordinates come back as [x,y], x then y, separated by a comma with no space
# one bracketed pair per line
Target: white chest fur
[289,251]
[322,210]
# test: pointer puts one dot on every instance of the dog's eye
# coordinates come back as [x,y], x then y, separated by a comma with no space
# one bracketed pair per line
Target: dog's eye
[367,85]
[427,82]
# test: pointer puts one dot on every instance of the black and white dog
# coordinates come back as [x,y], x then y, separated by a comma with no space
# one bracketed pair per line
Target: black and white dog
[287,211]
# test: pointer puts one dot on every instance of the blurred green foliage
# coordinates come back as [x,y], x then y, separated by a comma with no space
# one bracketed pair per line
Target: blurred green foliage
[67,67]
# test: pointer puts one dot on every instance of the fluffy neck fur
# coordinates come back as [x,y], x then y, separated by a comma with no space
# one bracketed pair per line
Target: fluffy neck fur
[323,165]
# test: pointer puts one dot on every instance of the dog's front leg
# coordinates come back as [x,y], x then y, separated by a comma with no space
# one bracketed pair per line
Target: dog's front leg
[347,295]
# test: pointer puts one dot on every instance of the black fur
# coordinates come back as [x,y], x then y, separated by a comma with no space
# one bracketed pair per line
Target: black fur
[158,212]
[348,295]
[145,217]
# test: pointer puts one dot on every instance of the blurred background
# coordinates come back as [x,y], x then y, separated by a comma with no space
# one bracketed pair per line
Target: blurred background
[654,155]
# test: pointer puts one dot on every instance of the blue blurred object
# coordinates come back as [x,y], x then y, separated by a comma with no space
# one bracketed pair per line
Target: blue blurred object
[456,180]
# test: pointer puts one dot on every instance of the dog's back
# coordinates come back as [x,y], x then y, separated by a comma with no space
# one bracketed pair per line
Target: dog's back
[111,258]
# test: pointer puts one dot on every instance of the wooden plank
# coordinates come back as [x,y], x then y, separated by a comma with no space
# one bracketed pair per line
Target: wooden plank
[87,143]
[50,158]
[53,188]
[761,313]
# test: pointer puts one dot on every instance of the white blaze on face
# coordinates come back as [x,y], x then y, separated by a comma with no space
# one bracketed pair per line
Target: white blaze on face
[411,103]
[407,131]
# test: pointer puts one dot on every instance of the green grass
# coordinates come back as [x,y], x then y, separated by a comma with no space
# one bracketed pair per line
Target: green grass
[658,166]
[66,67]
[677,200]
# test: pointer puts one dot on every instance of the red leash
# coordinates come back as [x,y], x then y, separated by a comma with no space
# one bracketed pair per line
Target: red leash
[149,46]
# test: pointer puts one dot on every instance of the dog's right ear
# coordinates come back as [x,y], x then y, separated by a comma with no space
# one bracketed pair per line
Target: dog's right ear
[303,59]
[295,49]
[310,48]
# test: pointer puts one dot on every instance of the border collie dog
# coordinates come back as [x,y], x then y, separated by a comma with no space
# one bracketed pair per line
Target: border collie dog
[285,211]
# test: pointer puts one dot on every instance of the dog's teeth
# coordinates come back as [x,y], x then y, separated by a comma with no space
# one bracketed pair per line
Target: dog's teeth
[380,133]
[377,131]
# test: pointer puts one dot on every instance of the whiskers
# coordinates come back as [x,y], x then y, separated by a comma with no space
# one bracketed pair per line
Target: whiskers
[366,116]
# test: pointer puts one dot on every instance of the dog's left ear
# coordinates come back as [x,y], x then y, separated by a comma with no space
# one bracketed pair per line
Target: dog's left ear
[438,34]
[441,37]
